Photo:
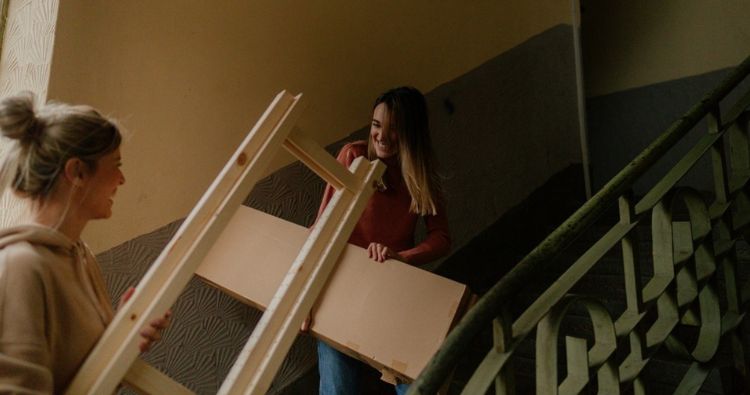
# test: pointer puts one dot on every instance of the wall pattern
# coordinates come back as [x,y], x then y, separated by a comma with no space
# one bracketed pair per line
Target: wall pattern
[25,62]
[514,117]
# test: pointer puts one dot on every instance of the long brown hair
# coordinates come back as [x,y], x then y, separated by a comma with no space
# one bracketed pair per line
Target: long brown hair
[408,114]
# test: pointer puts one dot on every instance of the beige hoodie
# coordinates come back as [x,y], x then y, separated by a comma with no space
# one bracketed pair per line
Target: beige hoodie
[53,309]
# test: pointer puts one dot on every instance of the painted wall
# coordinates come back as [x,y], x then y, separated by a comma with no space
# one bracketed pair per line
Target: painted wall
[622,124]
[188,79]
[637,43]
[25,65]
[645,64]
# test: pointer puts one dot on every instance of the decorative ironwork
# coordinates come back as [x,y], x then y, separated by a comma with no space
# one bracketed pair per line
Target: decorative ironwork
[677,308]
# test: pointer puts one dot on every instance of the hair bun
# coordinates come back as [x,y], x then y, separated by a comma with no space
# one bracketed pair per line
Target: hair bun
[17,118]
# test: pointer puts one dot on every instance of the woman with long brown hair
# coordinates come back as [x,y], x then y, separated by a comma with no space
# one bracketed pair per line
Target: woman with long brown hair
[410,191]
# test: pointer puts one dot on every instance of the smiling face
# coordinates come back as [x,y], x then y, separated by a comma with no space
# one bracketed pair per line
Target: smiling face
[101,186]
[384,138]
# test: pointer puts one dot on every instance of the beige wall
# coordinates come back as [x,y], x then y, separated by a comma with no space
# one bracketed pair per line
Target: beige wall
[189,78]
[25,65]
[627,44]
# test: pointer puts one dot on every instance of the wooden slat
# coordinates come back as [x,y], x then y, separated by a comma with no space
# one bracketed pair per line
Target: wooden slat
[145,379]
[275,332]
[111,358]
[319,161]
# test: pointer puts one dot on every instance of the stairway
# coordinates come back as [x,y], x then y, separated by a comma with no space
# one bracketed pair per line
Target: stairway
[603,282]
[623,290]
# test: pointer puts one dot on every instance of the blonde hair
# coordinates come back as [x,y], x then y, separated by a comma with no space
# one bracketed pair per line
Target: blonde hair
[43,140]
[408,114]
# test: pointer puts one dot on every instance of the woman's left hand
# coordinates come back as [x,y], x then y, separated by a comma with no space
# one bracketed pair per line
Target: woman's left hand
[152,332]
[380,252]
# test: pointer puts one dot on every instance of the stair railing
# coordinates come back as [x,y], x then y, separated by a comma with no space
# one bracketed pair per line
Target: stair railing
[682,291]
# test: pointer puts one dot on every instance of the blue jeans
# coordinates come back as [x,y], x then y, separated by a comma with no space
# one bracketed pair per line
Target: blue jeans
[339,373]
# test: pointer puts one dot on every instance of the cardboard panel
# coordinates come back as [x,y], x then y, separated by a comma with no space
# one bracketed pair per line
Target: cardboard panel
[390,315]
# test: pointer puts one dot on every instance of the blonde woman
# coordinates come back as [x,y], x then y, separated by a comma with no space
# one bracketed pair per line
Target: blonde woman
[410,191]
[65,162]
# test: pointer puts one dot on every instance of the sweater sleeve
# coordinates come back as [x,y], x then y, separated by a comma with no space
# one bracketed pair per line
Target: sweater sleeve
[24,354]
[436,244]
[346,156]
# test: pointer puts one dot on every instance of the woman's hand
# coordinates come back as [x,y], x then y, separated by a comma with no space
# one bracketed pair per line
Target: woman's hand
[380,253]
[152,332]
[307,323]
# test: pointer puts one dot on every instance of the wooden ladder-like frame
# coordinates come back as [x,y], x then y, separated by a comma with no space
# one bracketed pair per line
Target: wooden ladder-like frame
[115,357]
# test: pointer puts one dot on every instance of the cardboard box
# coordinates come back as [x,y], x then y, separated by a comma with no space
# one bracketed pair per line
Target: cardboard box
[391,315]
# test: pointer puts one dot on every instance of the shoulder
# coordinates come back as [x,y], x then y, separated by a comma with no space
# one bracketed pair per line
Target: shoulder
[21,262]
[351,151]
[24,279]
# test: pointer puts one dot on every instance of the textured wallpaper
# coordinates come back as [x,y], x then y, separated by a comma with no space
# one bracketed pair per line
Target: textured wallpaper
[500,131]
[210,328]
[25,65]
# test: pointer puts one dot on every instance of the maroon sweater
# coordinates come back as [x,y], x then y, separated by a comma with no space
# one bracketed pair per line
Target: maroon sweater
[387,219]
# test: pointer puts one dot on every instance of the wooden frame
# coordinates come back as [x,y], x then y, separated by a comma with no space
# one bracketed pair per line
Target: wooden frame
[145,379]
[273,336]
[115,355]
[319,161]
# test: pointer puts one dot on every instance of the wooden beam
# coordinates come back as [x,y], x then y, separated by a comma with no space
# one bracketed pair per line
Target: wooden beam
[319,161]
[274,334]
[145,379]
[113,355]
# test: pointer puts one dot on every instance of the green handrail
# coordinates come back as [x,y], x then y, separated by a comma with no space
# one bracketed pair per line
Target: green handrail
[489,306]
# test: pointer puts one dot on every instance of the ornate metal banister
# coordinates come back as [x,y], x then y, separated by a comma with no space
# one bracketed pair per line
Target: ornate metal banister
[490,305]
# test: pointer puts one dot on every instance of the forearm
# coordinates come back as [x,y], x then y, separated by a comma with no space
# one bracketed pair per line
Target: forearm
[433,247]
